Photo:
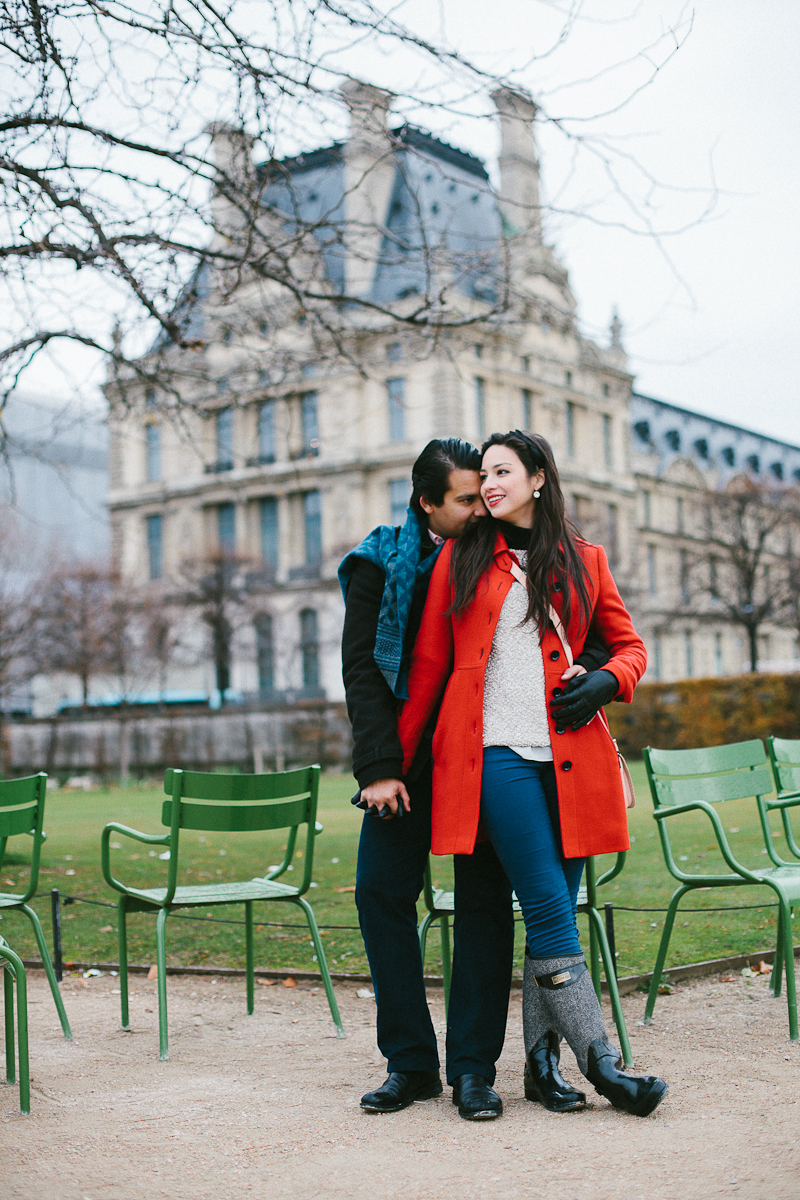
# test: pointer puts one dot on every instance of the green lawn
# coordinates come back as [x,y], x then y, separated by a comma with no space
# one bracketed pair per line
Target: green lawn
[71,862]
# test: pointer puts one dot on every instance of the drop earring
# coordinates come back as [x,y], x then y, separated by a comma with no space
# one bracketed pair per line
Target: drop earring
[536,495]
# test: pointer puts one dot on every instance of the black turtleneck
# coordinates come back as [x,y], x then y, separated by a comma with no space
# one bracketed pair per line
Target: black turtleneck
[516,537]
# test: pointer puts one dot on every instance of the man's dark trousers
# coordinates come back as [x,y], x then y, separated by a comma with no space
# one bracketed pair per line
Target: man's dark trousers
[392,855]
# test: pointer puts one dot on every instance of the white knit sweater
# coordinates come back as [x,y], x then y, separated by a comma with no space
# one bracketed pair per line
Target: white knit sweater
[514,701]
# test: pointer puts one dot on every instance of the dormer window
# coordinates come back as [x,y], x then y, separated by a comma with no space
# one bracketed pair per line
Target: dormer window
[673,439]
[701,446]
[753,463]
[777,470]
[642,431]
[729,455]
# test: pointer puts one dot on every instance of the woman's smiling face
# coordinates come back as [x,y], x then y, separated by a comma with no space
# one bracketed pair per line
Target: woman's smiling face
[507,488]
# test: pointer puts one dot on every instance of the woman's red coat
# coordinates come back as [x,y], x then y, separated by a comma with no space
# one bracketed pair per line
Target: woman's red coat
[453,651]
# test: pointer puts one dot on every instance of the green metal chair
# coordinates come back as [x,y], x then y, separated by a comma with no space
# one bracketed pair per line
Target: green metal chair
[440,907]
[784,758]
[14,972]
[222,804]
[22,812]
[686,781]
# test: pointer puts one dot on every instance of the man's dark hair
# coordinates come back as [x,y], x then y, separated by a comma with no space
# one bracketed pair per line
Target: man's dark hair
[430,475]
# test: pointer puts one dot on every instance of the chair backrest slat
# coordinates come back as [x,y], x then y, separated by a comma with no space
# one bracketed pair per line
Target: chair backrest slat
[205,785]
[19,791]
[788,777]
[17,820]
[18,804]
[786,750]
[785,754]
[714,788]
[239,818]
[708,759]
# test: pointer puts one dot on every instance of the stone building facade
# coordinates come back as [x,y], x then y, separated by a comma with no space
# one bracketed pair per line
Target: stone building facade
[286,457]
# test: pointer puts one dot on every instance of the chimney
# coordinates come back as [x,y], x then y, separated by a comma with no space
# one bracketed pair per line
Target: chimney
[519,167]
[369,171]
[234,200]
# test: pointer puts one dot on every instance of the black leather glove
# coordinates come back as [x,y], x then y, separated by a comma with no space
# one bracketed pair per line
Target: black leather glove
[583,697]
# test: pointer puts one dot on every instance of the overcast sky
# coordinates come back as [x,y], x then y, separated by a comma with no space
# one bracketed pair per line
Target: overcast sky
[717,330]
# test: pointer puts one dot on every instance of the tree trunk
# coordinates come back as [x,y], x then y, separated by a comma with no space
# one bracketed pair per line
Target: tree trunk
[752,644]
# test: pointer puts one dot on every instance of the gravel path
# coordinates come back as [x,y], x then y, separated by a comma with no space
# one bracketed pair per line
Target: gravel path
[268,1105]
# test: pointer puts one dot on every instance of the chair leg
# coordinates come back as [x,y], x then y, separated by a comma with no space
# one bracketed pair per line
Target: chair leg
[161,963]
[776,977]
[22,1040]
[596,925]
[122,942]
[594,955]
[652,995]
[424,926]
[248,946]
[447,962]
[16,969]
[788,958]
[8,1001]
[49,972]
[323,964]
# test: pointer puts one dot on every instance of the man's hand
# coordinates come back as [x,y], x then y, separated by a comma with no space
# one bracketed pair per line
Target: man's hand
[583,698]
[386,794]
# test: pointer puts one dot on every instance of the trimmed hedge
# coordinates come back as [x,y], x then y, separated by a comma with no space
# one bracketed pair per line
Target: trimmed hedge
[707,712]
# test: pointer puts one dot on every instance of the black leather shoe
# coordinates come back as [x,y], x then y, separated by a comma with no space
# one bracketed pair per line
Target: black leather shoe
[475,1099]
[401,1089]
[635,1094]
[543,1081]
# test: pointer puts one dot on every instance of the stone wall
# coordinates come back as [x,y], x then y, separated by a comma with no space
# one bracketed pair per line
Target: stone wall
[143,745]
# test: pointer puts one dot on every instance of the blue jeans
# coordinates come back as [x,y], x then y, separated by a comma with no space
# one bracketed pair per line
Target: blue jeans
[519,812]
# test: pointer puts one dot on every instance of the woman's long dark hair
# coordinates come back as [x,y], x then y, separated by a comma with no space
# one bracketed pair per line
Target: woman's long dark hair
[552,554]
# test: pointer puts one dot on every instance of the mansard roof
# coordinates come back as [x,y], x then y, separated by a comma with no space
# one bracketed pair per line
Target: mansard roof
[669,432]
[441,209]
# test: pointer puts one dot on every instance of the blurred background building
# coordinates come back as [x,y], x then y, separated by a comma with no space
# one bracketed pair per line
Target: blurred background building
[234,493]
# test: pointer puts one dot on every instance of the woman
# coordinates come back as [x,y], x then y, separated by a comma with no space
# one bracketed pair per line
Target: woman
[541,781]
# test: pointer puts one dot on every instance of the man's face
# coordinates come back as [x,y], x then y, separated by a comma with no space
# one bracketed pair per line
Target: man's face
[462,505]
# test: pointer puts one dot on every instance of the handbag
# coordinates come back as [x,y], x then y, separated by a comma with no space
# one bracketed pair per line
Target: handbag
[625,776]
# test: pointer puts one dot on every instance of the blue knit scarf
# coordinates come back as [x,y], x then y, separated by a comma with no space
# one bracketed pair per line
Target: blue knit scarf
[399,555]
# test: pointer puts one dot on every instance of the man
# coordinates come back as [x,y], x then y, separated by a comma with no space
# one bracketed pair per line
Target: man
[385,582]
